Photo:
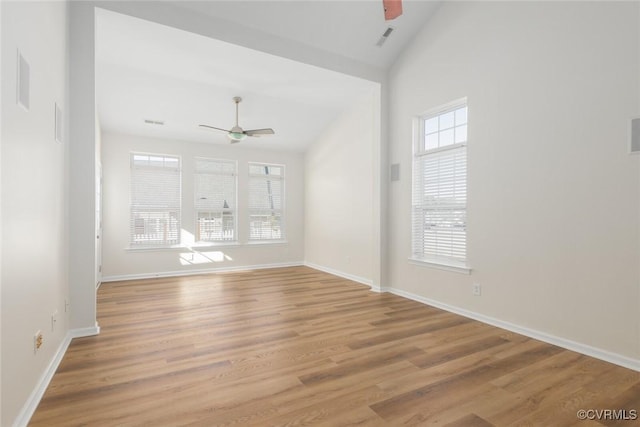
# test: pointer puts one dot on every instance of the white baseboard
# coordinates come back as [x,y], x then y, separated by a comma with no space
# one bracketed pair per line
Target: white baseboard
[34,399]
[36,395]
[177,273]
[585,349]
[338,273]
[379,289]
[84,332]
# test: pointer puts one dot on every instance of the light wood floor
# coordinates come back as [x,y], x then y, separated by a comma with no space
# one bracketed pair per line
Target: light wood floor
[295,346]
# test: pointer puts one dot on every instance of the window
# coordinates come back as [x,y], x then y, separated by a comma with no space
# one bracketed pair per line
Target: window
[266,199]
[155,200]
[439,211]
[215,200]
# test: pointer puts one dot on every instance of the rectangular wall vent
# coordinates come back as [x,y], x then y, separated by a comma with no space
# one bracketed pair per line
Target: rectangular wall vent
[154,122]
[23,82]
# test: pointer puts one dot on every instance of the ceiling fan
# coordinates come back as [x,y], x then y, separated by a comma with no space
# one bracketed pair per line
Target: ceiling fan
[236,133]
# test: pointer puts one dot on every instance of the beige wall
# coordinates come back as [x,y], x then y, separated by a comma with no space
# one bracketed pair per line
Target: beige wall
[554,196]
[339,194]
[34,231]
[118,262]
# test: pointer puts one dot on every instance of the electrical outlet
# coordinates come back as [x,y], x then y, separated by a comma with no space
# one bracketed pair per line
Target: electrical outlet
[476,290]
[54,320]
[66,305]
[38,339]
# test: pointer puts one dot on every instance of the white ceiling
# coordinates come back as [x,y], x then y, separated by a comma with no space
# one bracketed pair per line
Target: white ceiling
[150,71]
[349,28]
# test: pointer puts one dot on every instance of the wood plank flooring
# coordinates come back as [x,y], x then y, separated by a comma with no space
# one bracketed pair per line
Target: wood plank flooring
[295,346]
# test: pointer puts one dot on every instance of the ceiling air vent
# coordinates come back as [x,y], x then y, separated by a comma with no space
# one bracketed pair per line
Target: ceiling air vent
[154,122]
[384,36]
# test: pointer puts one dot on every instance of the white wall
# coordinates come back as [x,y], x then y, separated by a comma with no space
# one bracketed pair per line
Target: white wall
[339,193]
[98,202]
[34,246]
[118,262]
[82,168]
[2,78]
[554,196]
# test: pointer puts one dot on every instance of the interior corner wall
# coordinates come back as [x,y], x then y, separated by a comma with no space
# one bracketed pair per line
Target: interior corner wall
[2,78]
[34,245]
[384,182]
[340,173]
[638,176]
[553,194]
[82,168]
[121,263]
[98,201]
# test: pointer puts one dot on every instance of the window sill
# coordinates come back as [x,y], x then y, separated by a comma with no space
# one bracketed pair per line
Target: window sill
[198,247]
[208,245]
[441,265]
[195,247]
[266,242]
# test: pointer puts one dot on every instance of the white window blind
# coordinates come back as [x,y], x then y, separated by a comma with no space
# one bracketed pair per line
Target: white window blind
[439,223]
[155,200]
[266,201]
[215,200]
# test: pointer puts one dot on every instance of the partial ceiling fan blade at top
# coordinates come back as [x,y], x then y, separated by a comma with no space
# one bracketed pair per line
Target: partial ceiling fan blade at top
[258,132]
[215,128]
[392,9]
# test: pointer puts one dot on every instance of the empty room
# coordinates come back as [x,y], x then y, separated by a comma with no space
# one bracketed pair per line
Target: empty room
[323,212]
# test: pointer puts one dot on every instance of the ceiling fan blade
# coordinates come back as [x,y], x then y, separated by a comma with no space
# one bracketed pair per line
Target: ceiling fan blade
[213,127]
[258,132]
[236,133]
[392,9]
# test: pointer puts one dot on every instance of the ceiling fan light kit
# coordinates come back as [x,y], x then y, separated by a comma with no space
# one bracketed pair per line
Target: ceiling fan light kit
[236,133]
[236,136]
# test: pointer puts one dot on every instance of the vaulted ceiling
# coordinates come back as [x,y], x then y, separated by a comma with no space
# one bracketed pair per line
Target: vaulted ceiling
[147,71]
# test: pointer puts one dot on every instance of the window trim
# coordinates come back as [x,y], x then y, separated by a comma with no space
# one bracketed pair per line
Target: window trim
[234,209]
[441,265]
[418,151]
[182,246]
[282,179]
[142,246]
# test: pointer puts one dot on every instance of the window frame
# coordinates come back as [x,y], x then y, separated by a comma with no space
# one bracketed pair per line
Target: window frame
[250,210]
[134,208]
[232,209]
[420,155]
